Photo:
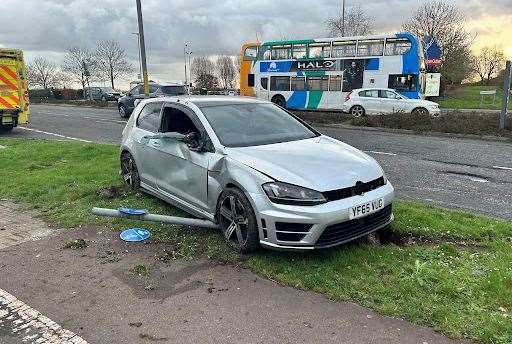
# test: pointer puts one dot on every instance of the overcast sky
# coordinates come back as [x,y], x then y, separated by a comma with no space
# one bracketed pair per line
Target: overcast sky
[49,27]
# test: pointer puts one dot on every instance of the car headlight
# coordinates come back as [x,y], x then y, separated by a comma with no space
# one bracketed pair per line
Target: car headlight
[284,193]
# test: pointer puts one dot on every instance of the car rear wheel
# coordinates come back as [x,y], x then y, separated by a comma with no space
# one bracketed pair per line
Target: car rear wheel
[420,111]
[103,98]
[237,221]
[357,111]
[129,171]
[122,111]
[279,101]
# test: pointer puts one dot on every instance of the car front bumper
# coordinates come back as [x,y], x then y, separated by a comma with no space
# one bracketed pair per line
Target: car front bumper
[288,227]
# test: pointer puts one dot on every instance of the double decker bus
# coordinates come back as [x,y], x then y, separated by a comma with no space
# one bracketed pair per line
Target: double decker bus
[319,73]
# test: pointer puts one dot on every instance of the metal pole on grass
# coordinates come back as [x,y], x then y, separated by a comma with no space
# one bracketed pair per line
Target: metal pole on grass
[142,49]
[506,94]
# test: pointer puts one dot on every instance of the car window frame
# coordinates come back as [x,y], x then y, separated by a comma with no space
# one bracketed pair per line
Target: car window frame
[194,118]
[137,124]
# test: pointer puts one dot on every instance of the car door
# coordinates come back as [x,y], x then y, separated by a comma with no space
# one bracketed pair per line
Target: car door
[390,102]
[147,125]
[370,101]
[182,171]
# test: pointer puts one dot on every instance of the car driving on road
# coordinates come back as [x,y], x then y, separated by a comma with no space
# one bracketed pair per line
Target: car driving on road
[102,93]
[373,101]
[127,103]
[265,177]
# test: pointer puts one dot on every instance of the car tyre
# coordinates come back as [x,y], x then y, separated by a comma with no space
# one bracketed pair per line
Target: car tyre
[103,99]
[279,100]
[129,171]
[122,111]
[420,111]
[357,111]
[237,221]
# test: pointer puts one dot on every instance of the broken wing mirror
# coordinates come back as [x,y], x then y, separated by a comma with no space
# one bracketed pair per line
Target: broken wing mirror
[193,142]
[171,136]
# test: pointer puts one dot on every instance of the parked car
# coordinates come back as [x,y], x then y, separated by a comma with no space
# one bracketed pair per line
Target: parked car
[102,93]
[373,101]
[127,103]
[264,176]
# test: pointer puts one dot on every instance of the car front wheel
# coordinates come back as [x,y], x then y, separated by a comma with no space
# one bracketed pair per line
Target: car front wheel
[420,112]
[122,111]
[237,221]
[129,171]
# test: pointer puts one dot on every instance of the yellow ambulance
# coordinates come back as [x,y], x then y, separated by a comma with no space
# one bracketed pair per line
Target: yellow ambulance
[14,104]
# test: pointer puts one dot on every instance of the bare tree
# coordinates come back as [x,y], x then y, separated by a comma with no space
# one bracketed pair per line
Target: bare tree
[446,23]
[79,64]
[203,71]
[42,73]
[357,23]
[225,70]
[111,61]
[488,63]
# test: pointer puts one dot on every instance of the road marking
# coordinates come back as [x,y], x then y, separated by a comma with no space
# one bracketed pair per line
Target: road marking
[502,168]
[57,135]
[382,153]
[104,120]
[20,320]
[478,180]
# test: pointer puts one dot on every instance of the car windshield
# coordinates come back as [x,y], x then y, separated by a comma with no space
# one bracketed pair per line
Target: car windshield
[173,90]
[242,125]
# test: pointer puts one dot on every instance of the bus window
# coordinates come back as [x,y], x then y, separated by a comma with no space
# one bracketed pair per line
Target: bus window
[397,46]
[344,49]
[335,82]
[318,83]
[264,83]
[370,48]
[317,50]
[250,53]
[280,52]
[264,53]
[402,82]
[299,51]
[280,83]
[298,83]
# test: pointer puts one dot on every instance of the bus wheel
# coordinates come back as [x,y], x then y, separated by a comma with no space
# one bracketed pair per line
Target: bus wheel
[279,101]
[357,111]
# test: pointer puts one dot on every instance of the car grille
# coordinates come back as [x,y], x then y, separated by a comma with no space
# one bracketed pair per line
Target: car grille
[352,229]
[358,189]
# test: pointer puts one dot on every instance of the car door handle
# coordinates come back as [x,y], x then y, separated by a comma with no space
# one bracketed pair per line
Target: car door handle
[155,144]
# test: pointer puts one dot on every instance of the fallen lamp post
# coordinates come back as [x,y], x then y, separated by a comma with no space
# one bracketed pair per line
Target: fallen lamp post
[143,216]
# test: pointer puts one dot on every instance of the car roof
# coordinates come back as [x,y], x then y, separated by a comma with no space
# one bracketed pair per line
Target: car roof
[374,88]
[205,101]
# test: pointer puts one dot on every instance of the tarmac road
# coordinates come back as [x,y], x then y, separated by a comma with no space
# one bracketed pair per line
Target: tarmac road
[470,174]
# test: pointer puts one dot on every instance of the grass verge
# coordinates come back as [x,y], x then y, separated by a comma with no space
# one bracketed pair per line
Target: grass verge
[454,272]
[468,97]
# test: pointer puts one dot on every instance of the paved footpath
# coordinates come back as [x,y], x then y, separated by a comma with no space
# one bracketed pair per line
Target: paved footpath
[92,296]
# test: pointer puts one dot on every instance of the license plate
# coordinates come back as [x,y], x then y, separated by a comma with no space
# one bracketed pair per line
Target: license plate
[365,209]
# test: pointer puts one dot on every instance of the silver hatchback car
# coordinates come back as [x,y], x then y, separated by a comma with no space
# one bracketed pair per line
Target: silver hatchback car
[264,176]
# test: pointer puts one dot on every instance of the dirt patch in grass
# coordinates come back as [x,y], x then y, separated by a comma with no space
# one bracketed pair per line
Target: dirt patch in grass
[452,122]
[78,244]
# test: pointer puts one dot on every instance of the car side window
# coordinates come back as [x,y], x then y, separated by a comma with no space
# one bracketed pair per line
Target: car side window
[153,88]
[388,94]
[177,121]
[369,94]
[136,90]
[149,118]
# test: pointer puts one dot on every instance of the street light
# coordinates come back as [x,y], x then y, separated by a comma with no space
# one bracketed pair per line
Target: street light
[140,62]
[185,53]
[190,66]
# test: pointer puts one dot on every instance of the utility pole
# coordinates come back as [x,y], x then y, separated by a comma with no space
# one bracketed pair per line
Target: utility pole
[142,49]
[190,67]
[343,18]
[506,94]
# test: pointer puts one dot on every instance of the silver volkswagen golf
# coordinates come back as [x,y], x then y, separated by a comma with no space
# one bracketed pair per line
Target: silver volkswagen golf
[264,176]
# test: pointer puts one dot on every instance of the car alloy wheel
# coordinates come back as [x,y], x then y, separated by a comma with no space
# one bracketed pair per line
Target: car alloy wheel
[122,111]
[237,221]
[357,111]
[420,112]
[129,171]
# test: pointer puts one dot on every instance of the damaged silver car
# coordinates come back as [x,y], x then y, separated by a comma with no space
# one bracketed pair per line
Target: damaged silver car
[264,176]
